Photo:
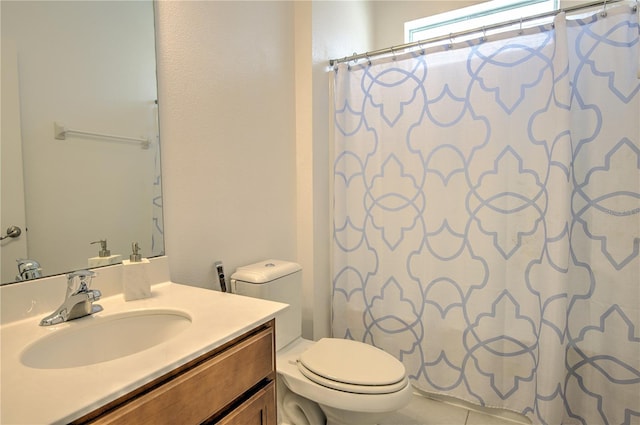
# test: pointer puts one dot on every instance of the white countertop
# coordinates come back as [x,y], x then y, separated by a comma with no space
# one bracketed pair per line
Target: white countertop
[36,396]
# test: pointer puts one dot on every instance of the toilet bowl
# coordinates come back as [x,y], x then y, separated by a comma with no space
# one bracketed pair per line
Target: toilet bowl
[355,403]
[350,381]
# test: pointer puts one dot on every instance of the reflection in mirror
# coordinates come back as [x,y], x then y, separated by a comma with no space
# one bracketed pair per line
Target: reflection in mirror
[75,74]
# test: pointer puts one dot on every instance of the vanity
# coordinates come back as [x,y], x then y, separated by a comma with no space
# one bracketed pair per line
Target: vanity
[185,355]
[235,382]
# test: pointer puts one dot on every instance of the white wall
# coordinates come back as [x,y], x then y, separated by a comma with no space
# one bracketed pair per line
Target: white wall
[245,139]
[336,27]
[227,124]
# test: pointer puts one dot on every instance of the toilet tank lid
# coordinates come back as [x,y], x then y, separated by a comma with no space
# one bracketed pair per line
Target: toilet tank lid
[265,271]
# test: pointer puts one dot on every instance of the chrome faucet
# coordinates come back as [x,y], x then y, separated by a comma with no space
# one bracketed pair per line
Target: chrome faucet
[28,269]
[78,302]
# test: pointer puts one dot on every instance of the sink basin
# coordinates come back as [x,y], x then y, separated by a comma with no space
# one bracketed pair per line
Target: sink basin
[95,339]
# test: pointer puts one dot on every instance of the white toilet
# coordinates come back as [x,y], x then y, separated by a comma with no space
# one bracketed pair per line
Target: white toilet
[352,382]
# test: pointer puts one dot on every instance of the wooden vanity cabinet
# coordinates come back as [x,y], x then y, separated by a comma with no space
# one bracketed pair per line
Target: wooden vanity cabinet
[231,385]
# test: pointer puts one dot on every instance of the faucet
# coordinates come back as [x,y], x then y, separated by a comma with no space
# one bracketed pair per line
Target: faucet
[28,269]
[78,303]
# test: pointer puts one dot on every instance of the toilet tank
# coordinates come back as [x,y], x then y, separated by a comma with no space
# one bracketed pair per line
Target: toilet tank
[274,280]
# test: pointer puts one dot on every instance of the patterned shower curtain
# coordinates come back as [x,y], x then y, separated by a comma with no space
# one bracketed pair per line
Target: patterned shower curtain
[486,217]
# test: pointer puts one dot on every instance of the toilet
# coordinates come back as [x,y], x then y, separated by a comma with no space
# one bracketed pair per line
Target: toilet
[335,380]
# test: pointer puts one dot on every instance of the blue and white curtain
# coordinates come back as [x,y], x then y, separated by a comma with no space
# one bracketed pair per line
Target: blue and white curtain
[487,217]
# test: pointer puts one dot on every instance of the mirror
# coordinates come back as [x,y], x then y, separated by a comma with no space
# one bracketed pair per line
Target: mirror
[74,74]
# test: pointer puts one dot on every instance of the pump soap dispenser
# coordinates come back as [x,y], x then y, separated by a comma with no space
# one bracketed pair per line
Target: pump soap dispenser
[104,257]
[135,276]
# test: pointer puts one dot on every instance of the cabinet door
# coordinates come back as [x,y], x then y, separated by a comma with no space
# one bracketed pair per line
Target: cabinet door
[204,390]
[257,410]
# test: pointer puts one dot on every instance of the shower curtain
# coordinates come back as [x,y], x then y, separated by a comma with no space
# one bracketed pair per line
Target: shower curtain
[486,217]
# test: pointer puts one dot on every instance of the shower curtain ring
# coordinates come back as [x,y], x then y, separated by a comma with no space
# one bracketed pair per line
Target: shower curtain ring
[484,34]
[450,40]
[604,9]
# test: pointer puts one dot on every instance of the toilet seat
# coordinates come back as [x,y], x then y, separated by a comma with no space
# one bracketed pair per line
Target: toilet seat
[290,375]
[352,366]
[351,388]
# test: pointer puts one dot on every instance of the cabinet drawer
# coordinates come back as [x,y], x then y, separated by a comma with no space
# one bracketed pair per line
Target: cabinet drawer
[258,410]
[200,392]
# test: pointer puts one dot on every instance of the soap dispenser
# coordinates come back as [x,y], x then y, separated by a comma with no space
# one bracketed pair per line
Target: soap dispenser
[135,275]
[135,256]
[104,257]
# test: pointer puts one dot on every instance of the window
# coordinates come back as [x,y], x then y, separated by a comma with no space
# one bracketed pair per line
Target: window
[474,17]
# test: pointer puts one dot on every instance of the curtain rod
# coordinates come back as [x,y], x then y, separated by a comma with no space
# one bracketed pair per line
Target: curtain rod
[451,36]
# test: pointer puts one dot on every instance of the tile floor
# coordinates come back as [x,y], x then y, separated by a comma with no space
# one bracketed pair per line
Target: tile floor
[447,411]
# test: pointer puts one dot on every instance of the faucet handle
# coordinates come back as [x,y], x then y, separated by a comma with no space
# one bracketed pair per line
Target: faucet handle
[83,276]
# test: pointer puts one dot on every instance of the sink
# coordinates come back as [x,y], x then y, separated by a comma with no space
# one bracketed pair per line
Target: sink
[97,339]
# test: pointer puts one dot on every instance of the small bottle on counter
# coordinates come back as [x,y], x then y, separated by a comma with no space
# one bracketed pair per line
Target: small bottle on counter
[135,276]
